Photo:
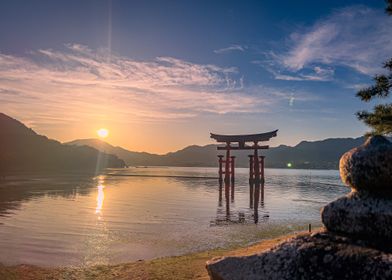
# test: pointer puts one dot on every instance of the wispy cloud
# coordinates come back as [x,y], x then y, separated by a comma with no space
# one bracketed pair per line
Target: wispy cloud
[356,37]
[231,48]
[81,84]
[316,73]
[356,86]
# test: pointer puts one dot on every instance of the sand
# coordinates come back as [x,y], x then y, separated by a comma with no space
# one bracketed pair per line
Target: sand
[190,266]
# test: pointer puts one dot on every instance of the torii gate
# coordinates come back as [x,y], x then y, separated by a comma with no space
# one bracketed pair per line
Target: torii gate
[256,163]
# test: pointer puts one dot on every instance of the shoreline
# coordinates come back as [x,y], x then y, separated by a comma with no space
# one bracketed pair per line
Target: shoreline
[188,266]
[216,167]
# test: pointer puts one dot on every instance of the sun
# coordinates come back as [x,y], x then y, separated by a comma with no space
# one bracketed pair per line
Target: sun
[103,132]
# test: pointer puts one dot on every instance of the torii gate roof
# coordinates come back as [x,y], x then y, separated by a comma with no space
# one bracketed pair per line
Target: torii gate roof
[242,138]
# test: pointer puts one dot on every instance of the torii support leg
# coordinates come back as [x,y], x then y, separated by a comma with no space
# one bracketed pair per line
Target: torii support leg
[227,197]
[220,194]
[232,158]
[262,168]
[256,166]
[262,181]
[256,203]
[251,168]
[220,169]
[262,196]
[232,192]
[251,195]
[227,164]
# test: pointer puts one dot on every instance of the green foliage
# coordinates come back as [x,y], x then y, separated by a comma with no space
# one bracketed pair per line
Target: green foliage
[380,119]
[389,7]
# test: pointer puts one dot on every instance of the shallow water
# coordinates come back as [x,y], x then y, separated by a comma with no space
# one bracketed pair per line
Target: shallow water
[113,218]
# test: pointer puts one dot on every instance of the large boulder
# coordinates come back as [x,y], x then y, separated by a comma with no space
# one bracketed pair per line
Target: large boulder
[318,256]
[369,167]
[361,215]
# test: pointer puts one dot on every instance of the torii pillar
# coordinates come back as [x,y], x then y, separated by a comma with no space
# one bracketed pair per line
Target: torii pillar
[232,165]
[227,163]
[220,169]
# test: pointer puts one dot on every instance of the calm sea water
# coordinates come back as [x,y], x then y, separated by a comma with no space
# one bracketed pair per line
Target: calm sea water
[79,220]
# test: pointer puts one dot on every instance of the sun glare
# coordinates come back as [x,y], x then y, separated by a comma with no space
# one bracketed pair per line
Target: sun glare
[103,132]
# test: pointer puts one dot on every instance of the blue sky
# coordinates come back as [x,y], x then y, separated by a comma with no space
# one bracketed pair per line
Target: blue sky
[176,70]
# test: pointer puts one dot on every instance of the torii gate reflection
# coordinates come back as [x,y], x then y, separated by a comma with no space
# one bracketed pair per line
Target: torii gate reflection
[256,168]
[226,215]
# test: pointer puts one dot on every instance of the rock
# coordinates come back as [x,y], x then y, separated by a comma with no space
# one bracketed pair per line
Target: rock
[319,256]
[369,167]
[360,215]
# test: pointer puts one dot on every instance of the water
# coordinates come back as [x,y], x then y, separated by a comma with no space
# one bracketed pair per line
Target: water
[78,220]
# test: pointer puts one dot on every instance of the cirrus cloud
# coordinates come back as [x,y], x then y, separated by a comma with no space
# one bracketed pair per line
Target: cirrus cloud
[356,37]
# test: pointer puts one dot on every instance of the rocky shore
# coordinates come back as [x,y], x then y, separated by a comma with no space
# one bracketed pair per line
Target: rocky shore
[357,240]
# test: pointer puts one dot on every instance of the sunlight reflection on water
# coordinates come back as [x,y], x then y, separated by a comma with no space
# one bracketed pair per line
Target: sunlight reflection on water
[59,220]
[100,198]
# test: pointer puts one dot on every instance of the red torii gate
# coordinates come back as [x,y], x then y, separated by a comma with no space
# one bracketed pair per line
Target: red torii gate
[256,162]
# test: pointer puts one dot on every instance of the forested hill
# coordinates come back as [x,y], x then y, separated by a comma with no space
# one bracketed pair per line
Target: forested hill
[22,149]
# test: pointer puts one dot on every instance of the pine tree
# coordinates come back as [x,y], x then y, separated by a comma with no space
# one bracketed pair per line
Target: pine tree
[389,7]
[380,119]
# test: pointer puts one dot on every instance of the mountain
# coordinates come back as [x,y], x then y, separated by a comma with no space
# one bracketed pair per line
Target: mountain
[323,154]
[22,149]
[134,158]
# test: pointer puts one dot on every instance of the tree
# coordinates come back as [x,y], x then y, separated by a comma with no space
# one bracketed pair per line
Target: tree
[389,7]
[380,120]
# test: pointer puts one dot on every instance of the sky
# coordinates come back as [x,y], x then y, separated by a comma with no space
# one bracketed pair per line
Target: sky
[162,75]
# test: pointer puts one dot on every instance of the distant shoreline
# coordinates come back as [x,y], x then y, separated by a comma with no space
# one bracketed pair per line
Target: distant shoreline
[162,176]
[13,173]
[245,167]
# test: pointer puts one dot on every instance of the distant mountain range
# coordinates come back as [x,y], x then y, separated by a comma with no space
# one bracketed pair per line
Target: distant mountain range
[323,154]
[21,149]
